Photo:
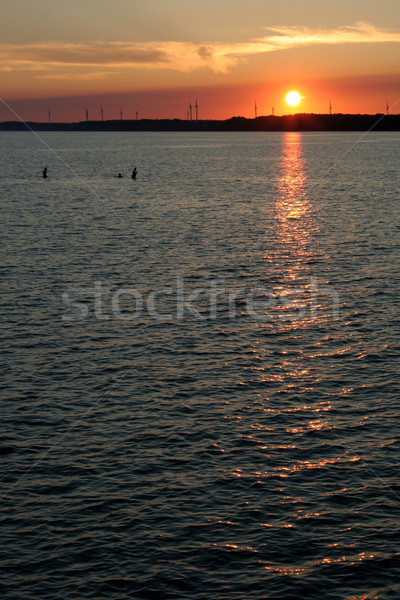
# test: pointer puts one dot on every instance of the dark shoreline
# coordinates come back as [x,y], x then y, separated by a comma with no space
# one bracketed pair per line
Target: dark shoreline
[299,122]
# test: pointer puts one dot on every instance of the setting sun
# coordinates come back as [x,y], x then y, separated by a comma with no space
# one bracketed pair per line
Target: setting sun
[293,98]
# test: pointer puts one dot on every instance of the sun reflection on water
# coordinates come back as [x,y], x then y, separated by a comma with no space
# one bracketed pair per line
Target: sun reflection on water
[289,258]
[290,244]
[292,203]
[294,222]
[290,251]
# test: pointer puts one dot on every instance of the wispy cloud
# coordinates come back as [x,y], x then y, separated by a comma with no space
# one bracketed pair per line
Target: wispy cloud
[84,76]
[180,56]
[283,38]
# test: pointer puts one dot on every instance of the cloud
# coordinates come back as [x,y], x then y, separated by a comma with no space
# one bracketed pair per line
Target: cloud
[93,54]
[180,56]
[77,76]
[285,38]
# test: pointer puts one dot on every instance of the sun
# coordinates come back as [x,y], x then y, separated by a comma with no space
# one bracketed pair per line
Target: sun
[293,98]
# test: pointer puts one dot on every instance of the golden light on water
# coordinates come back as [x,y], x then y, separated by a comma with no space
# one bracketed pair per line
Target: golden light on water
[289,251]
[292,211]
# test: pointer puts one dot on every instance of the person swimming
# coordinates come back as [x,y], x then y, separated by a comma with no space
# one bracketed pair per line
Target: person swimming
[134,173]
[119,175]
[45,173]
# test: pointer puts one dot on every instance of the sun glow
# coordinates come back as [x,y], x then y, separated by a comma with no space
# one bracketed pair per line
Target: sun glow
[293,98]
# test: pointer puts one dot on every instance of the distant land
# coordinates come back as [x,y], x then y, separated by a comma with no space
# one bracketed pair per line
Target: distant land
[299,122]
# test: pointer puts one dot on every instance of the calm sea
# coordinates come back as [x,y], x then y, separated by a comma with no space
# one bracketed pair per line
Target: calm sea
[200,391]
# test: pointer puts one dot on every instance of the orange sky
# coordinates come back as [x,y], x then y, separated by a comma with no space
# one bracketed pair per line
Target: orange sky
[157,57]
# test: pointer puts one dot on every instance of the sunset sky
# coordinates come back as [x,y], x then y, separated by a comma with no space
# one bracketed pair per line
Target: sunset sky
[156,56]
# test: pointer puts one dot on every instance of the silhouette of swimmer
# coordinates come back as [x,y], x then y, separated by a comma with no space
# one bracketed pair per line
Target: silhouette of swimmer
[134,173]
[119,175]
[45,173]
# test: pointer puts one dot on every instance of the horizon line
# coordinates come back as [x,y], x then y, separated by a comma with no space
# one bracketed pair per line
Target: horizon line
[258,118]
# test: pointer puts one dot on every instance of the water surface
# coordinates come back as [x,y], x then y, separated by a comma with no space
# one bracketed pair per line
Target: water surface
[216,417]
